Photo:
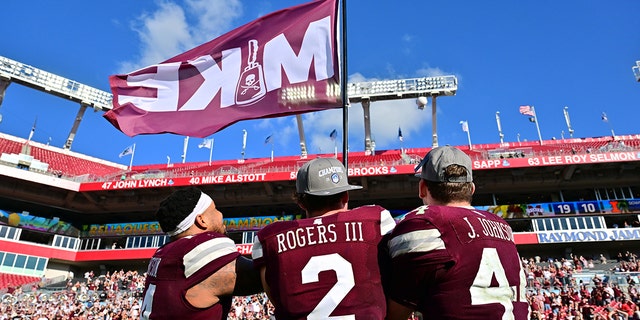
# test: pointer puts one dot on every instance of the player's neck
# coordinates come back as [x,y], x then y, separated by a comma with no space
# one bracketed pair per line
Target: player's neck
[461,204]
[326,213]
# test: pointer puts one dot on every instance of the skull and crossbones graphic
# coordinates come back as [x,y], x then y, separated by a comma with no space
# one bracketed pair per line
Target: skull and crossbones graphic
[250,83]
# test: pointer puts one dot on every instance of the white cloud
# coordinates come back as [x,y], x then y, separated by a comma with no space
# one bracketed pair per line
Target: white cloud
[430,72]
[214,17]
[172,28]
[386,117]
[283,129]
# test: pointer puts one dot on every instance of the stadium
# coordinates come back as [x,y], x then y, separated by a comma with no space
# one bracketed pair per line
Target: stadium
[65,213]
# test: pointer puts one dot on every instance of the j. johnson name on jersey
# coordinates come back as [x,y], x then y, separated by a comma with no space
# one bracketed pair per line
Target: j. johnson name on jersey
[319,234]
[490,228]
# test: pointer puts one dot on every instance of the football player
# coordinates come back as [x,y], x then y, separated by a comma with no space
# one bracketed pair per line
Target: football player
[195,274]
[449,260]
[325,266]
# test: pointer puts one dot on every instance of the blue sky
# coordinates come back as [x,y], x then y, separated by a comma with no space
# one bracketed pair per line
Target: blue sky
[549,54]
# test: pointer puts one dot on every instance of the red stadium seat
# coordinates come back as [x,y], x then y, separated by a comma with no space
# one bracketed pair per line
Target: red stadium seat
[15,280]
[61,161]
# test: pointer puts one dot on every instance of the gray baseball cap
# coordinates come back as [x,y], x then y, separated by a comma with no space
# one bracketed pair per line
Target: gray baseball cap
[438,159]
[323,177]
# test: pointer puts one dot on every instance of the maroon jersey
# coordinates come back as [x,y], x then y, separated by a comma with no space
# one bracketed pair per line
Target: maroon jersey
[179,265]
[457,263]
[325,266]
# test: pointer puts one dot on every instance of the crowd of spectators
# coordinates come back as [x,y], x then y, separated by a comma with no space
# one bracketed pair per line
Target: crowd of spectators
[553,290]
[113,296]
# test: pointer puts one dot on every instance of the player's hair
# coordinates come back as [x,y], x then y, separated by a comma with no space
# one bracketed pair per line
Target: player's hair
[176,207]
[447,192]
[318,203]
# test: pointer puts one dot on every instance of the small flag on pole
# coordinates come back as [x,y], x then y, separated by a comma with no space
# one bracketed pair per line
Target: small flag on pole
[33,130]
[127,151]
[465,126]
[400,137]
[527,111]
[604,117]
[268,139]
[206,143]
[333,135]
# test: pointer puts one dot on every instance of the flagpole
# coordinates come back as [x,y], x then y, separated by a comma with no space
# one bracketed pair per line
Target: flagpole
[211,150]
[133,152]
[184,149]
[535,118]
[568,121]
[244,142]
[468,134]
[606,119]
[343,89]
[271,142]
[33,129]
[500,134]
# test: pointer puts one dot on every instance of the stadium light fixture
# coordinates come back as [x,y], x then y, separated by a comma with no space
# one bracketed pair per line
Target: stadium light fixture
[418,88]
[45,81]
[86,96]
[636,70]
[403,88]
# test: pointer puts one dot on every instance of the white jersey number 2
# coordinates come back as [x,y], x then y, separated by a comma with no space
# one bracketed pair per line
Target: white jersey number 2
[344,274]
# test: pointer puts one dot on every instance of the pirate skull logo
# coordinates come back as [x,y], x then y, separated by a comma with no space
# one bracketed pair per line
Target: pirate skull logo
[250,80]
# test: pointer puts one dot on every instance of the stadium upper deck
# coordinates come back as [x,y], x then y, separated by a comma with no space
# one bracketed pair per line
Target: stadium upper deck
[81,189]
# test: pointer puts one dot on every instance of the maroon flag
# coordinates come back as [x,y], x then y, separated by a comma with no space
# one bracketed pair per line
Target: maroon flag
[281,64]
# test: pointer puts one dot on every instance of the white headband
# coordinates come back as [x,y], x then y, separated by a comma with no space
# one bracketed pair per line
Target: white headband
[203,203]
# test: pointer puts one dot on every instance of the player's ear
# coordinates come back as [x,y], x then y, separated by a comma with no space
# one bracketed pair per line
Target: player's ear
[300,204]
[201,222]
[345,197]
[422,189]
[473,188]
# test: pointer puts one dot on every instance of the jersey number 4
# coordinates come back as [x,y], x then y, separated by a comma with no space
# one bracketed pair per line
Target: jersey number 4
[504,294]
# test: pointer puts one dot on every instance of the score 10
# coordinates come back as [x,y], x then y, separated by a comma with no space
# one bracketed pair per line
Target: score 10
[576,207]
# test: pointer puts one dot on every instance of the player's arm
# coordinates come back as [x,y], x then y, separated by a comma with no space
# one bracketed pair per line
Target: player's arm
[208,292]
[263,270]
[396,311]
[248,280]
